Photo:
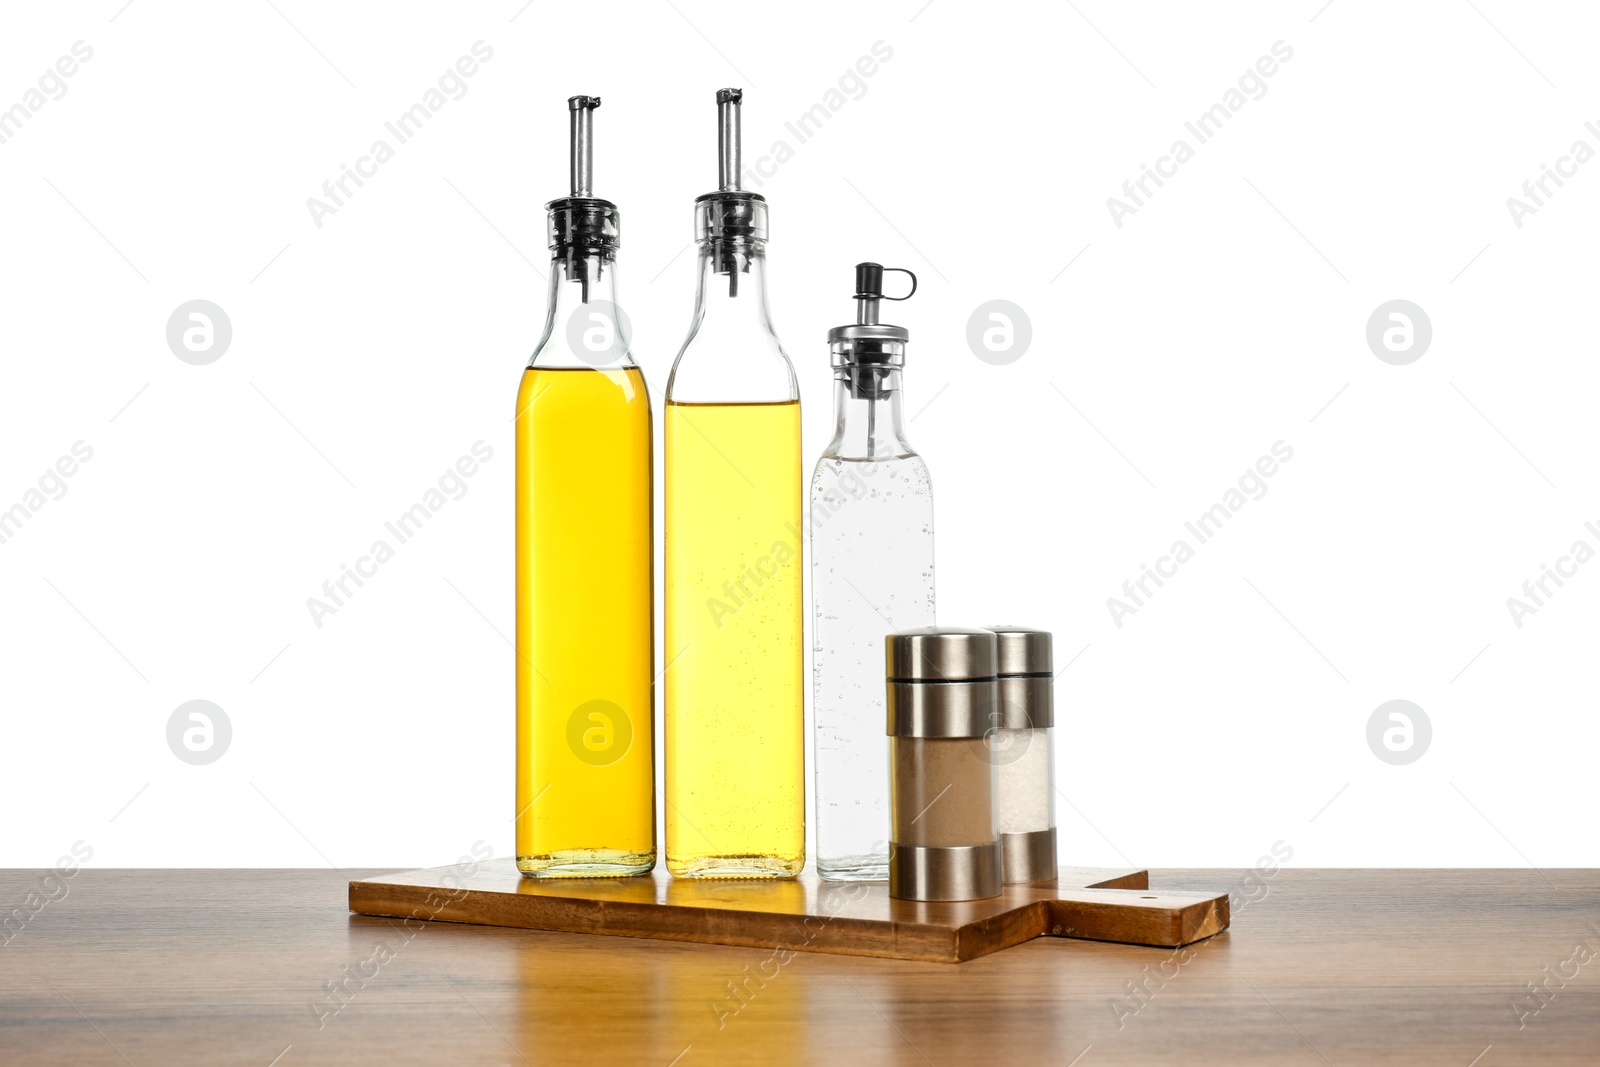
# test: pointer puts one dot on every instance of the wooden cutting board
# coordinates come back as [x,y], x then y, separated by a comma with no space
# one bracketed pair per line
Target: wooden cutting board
[804,914]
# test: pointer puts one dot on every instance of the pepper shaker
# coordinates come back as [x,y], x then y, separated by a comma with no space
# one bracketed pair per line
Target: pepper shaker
[944,790]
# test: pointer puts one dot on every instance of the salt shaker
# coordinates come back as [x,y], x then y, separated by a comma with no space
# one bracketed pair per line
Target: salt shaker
[1022,748]
[944,790]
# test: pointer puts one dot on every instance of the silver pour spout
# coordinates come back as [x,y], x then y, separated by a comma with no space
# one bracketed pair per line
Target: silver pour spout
[728,139]
[582,108]
[585,230]
[867,353]
[731,223]
[869,290]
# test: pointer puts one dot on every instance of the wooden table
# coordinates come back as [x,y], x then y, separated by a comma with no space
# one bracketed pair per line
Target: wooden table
[1339,967]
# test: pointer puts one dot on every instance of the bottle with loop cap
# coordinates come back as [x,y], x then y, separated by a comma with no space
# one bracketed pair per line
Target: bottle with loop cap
[871,528]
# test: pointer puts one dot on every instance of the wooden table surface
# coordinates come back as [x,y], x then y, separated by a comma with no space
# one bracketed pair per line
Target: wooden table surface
[148,967]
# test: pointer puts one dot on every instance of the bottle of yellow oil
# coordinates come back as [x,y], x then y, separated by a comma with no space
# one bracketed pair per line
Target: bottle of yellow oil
[585,660]
[734,707]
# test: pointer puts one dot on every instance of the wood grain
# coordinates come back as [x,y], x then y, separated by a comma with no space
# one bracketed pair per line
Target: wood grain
[1319,967]
[805,914]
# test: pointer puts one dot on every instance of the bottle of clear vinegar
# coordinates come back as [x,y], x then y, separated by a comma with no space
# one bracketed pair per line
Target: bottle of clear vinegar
[585,702]
[734,708]
[871,574]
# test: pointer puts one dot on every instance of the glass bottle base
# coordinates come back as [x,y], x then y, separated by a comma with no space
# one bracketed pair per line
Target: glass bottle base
[854,869]
[734,867]
[588,863]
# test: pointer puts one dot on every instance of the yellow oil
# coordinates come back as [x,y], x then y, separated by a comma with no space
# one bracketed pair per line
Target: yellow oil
[585,698]
[734,716]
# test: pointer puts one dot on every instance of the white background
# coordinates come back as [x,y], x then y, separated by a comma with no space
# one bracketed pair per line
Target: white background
[1227,314]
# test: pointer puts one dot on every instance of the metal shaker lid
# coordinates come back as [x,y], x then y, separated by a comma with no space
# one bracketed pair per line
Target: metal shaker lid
[1022,650]
[1024,693]
[940,654]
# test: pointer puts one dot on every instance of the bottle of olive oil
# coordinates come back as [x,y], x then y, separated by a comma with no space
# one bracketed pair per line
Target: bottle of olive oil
[734,715]
[585,697]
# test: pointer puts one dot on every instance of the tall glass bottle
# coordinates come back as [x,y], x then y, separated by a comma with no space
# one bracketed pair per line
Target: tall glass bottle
[585,754]
[734,715]
[871,574]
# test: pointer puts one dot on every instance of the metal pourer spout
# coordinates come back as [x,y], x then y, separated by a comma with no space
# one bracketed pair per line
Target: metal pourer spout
[584,230]
[869,290]
[731,222]
[728,139]
[868,353]
[582,108]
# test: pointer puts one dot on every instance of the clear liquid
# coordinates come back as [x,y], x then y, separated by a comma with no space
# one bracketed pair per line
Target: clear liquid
[871,573]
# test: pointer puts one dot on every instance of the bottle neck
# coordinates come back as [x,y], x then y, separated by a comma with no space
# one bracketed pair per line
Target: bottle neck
[731,354]
[868,417]
[732,292]
[584,325]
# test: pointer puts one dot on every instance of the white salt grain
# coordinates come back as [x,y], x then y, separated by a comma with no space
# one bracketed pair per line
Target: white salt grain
[1027,793]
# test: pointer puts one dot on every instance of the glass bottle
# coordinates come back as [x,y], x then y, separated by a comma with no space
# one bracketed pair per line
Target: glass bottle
[585,661]
[734,708]
[871,573]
